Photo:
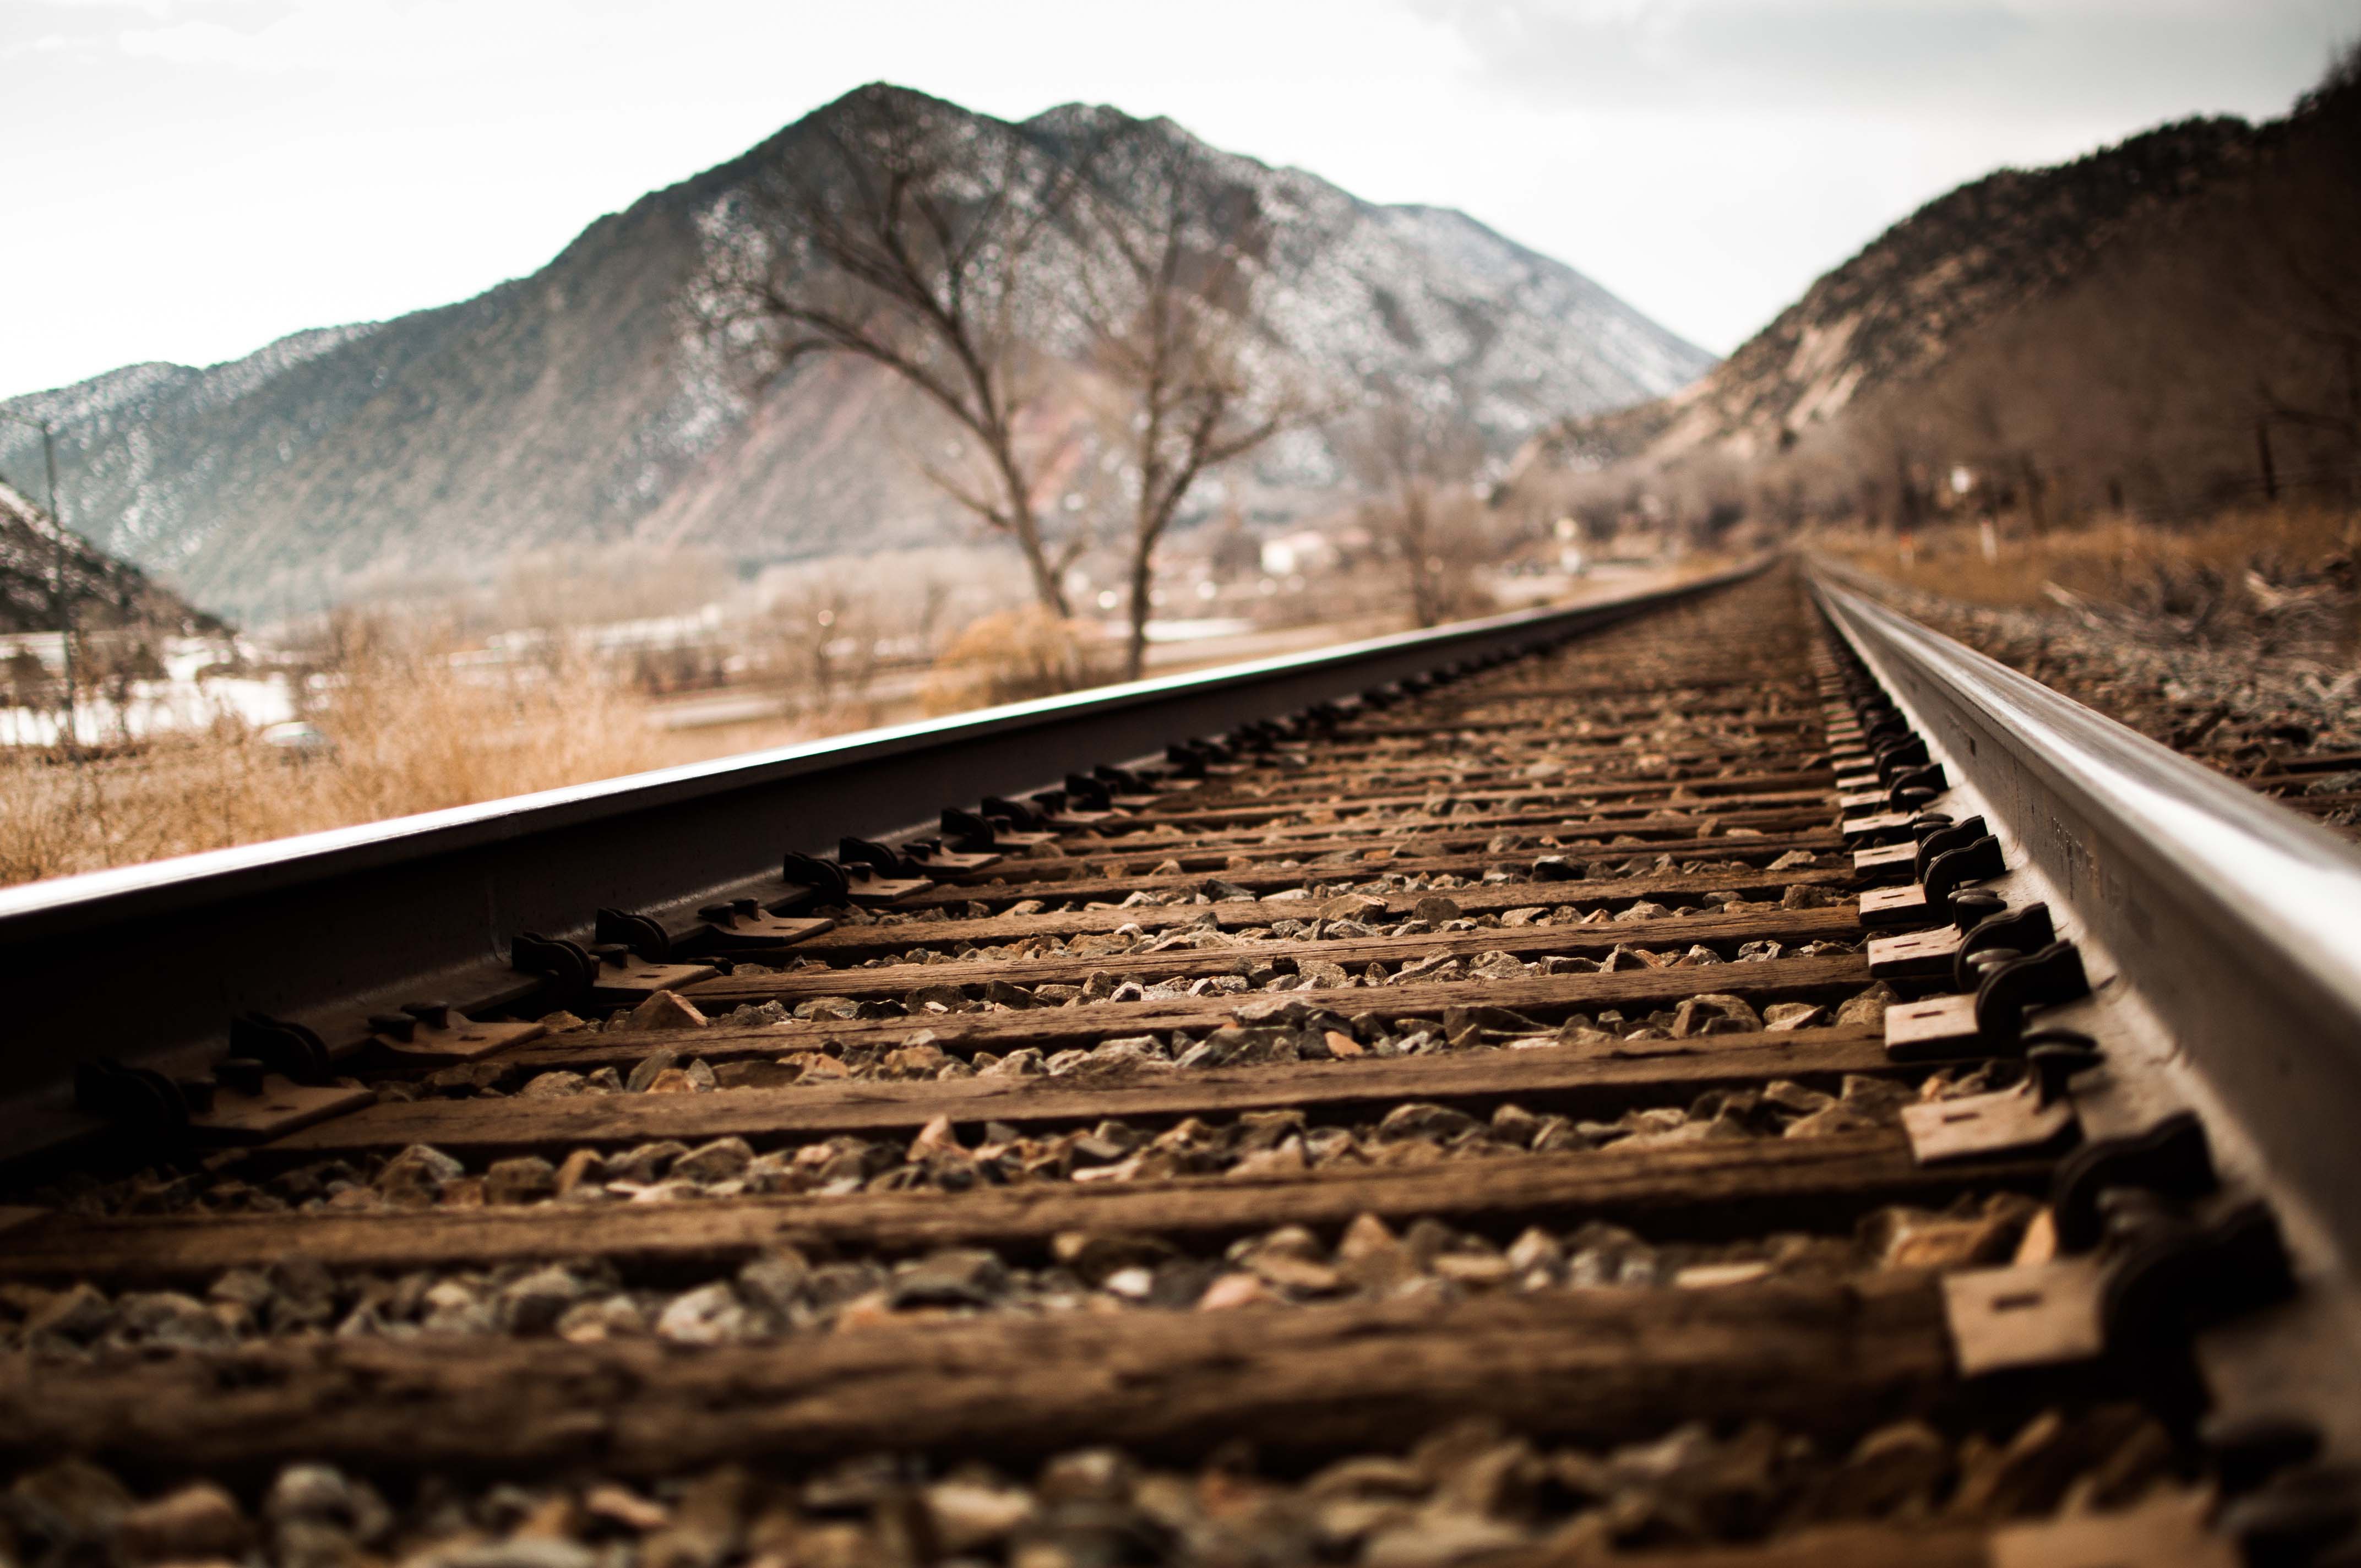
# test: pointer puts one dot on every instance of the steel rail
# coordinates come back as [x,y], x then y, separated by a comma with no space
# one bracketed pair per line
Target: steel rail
[2236,920]
[148,963]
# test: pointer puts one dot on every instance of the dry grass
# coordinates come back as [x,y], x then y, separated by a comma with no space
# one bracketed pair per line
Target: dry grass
[2228,568]
[410,733]
[1015,655]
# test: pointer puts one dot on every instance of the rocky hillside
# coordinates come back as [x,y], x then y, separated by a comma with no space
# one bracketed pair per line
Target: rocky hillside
[1912,297]
[107,593]
[574,407]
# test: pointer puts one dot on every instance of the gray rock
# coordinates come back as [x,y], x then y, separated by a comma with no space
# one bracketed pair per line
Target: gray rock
[194,1524]
[968,1515]
[1868,1008]
[517,1551]
[955,1276]
[1420,1120]
[833,1284]
[1131,1048]
[1715,1013]
[654,1062]
[1273,1010]
[534,1304]
[828,1007]
[323,1494]
[166,1316]
[1318,974]
[242,1287]
[418,1171]
[453,1307]
[1535,1250]
[645,1163]
[71,1501]
[610,1317]
[1435,1536]
[1008,996]
[80,1314]
[519,1181]
[1787,1095]
[716,1161]
[711,1314]
[1830,1122]
[776,1280]
[1863,1093]
[1516,1125]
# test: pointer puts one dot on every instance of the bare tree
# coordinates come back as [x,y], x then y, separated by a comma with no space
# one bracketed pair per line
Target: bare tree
[908,233]
[1421,456]
[1171,308]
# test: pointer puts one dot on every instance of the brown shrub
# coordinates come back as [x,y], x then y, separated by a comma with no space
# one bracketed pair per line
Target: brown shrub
[1015,655]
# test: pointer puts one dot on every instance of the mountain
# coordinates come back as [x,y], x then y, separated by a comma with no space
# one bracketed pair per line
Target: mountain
[2164,326]
[575,406]
[107,594]
[1910,296]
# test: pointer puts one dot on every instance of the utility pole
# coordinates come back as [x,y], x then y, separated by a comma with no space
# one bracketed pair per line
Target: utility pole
[60,589]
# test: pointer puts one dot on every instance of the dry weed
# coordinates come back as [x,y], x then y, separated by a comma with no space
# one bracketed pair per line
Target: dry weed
[409,733]
[2237,576]
[1014,655]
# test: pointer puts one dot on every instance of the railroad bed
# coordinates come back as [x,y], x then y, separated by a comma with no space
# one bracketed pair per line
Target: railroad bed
[1674,1094]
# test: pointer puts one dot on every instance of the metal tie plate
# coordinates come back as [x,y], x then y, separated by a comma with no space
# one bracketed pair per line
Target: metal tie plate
[636,979]
[1884,862]
[283,1106]
[1915,955]
[1882,822]
[1891,907]
[456,1039]
[2009,1121]
[1938,1027]
[2043,1315]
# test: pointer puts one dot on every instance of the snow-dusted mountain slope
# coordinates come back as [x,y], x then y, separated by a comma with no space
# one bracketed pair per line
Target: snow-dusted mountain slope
[572,406]
[106,594]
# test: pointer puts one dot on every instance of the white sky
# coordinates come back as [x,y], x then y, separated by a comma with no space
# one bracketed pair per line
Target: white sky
[187,180]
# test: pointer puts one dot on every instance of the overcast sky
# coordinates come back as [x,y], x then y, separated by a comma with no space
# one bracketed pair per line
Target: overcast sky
[187,180]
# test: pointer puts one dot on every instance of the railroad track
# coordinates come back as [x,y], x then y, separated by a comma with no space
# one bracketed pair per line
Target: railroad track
[1723,1078]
